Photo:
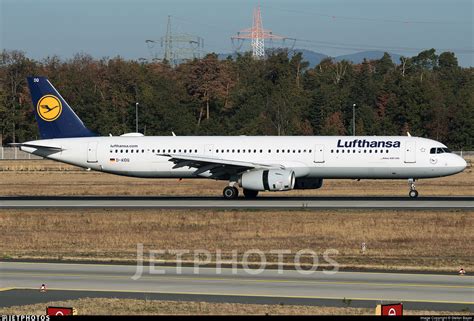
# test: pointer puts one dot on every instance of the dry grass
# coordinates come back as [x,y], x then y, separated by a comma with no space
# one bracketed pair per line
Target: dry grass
[89,306]
[440,240]
[42,177]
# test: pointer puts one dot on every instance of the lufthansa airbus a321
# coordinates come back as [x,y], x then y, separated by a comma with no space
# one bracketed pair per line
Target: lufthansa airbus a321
[254,163]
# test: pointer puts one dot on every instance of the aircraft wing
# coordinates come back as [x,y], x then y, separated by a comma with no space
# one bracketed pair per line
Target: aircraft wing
[219,168]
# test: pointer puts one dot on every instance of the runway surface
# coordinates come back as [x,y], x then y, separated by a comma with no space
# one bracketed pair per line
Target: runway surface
[416,291]
[466,202]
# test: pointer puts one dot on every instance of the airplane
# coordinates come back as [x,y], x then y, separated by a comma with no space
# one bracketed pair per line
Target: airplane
[253,163]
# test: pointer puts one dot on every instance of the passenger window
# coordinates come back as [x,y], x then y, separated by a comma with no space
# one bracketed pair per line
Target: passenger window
[131,151]
[261,151]
[337,151]
[195,150]
[269,151]
[121,151]
[310,150]
[116,151]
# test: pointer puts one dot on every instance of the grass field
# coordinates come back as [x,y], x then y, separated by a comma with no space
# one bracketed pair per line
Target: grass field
[41,177]
[434,240]
[89,306]
[415,240]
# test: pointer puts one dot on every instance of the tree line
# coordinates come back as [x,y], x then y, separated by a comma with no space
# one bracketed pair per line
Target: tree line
[427,95]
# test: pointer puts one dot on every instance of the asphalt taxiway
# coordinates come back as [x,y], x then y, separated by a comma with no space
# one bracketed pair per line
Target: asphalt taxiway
[446,202]
[19,284]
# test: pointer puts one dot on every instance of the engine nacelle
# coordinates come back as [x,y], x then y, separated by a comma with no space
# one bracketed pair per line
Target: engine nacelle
[308,183]
[268,180]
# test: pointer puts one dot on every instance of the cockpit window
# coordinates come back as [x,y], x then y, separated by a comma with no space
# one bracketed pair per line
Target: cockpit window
[439,150]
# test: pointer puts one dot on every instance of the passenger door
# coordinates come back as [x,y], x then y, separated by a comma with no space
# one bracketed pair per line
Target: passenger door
[410,151]
[319,153]
[92,152]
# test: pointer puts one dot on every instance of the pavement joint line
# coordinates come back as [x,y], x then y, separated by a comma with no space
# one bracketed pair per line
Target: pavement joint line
[244,295]
[223,268]
[231,280]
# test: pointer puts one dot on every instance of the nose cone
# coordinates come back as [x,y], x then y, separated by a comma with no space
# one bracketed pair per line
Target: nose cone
[459,164]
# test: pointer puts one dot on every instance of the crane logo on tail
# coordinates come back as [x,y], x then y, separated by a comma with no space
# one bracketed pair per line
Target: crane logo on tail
[49,108]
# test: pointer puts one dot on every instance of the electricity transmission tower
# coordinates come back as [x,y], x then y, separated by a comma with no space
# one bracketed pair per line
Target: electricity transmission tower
[257,35]
[176,48]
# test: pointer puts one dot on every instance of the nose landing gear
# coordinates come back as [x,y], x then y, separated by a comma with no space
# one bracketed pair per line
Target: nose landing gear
[413,192]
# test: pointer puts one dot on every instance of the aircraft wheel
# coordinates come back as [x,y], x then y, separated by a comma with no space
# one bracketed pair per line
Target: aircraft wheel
[250,193]
[413,193]
[230,192]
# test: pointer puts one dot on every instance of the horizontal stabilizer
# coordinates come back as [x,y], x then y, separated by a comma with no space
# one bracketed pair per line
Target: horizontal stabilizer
[54,148]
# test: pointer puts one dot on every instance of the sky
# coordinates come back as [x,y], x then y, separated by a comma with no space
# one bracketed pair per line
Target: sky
[109,28]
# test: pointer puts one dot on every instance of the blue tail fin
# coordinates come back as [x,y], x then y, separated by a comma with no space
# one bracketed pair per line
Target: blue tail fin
[55,117]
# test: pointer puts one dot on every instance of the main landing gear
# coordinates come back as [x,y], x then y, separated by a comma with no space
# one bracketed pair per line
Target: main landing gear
[413,192]
[250,194]
[232,192]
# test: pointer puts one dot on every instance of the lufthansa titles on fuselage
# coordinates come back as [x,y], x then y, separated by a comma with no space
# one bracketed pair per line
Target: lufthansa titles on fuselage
[123,146]
[368,143]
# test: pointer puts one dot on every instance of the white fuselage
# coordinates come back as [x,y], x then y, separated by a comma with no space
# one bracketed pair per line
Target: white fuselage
[308,156]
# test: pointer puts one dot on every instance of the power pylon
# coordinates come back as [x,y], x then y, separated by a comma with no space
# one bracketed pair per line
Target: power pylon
[176,47]
[167,40]
[257,35]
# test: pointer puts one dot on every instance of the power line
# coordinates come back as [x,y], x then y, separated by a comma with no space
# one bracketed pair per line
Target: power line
[348,46]
[367,19]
